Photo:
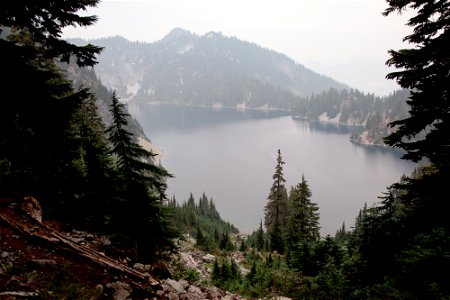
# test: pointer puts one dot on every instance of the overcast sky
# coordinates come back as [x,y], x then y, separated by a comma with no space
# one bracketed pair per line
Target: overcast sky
[347,40]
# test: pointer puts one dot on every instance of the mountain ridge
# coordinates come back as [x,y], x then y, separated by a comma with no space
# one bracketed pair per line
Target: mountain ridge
[186,68]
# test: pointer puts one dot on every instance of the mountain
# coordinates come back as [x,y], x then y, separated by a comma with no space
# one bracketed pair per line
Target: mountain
[87,78]
[215,70]
[212,69]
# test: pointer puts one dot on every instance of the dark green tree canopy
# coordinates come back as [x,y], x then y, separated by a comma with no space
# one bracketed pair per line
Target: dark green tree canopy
[303,223]
[38,25]
[275,218]
[424,70]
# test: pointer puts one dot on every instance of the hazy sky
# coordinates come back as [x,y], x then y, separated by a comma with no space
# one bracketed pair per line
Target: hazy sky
[347,40]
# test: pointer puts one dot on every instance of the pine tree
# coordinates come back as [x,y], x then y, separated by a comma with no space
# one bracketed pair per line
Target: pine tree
[216,270]
[86,134]
[243,246]
[259,243]
[200,237]
[134,162]
[38,157]
[276,208]
[424,71]
[304,217]
[408,225]
[341,233]
[141,190]
[37,28]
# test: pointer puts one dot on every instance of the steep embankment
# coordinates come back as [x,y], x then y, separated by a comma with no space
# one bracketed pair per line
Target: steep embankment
[40,260]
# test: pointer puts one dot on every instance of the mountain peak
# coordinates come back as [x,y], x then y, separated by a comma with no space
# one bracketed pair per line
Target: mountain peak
[178,33]
[213,34]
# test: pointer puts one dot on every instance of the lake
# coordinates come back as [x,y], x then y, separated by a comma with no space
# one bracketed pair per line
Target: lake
[230,156]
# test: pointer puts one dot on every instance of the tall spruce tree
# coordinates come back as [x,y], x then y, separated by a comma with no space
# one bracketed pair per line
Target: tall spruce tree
[259,242]
[36,29]
[404,243]
[138,211]
[303,224]
[92,162]
[276,208]
[424,71]
[426,133]
[37,153]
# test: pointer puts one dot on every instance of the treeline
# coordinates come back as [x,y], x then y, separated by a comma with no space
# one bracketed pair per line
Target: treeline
[202,221]
[396,249]
[288,258]
[354,107]
[55,146]
[399,248]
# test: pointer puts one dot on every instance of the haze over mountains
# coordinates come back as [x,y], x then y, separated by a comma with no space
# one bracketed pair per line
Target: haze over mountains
[219,71]
[185,68]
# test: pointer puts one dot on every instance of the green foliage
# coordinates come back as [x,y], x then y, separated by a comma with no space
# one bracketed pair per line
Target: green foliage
[140,190]
[401,244]
[203,221]
[37,27]
[275,218]
[58,282]
[424,71]
[259,242]
[52,140]
[303,219]
[355,107]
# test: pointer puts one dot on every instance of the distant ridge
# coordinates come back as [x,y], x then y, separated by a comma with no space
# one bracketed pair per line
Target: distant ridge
[212,69]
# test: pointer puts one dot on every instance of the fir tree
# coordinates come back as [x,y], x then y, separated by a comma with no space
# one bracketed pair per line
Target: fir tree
[276,208]
[86,134]
[37,27]
[243,246]
[141,190]
[394,239]
[259,243]
[304,217]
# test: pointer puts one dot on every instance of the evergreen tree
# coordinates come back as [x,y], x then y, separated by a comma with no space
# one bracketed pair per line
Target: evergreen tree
[86,134]
[394,239]
[341,233]
[141,190]
[201,241]
[259,243]
[243,246]
[304,217]
[216,270]
[276,208]
[37,157]
[36,27]
[424,71]
[134,162]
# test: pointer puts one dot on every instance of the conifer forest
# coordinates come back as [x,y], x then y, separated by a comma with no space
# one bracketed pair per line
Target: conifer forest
[89,171]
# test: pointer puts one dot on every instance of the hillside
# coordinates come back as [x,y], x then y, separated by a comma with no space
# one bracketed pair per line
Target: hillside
[212,69]
[87,78]
[44,260]
[352,107]
[219,71]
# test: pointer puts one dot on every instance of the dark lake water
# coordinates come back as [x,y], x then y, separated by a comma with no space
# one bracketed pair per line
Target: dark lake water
[231,156]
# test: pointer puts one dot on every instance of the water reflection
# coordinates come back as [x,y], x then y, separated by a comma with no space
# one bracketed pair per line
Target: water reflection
[230,155]
[169,117]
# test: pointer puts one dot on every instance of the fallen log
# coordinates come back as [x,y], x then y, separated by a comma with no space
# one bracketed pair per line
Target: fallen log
[27,226]
[20,294]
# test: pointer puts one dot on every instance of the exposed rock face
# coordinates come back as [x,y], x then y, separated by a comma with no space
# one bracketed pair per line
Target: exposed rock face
[209,258]
[121,290]
[183,68]
[182,290]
